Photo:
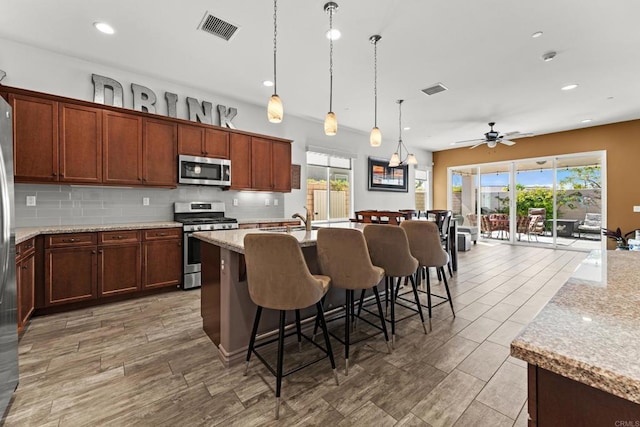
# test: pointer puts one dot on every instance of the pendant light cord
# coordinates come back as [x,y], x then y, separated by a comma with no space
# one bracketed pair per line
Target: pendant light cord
[275,50]
[331,59]
[375,83]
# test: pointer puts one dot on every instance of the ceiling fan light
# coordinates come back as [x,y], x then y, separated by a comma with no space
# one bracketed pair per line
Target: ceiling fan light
[395,160]
[492,144]
[411,160]
[375,139]
[330,124]
[275,110]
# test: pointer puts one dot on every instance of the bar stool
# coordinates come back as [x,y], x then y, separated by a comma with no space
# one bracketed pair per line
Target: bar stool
[424,241]
[389,249]
[278,278]
[343,256]
[443,221]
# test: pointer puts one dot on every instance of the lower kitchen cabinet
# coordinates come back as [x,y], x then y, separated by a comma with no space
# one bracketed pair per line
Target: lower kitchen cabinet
[161,258]
[70,275]
[26,279]
[118,269]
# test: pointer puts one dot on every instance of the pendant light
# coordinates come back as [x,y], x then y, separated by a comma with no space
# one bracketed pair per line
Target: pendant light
[395,158]
[275,111]
[330,122]
[375,139]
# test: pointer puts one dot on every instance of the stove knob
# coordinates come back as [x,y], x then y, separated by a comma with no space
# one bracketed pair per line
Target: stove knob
[198,228]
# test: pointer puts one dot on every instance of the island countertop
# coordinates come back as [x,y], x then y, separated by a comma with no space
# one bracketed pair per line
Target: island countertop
[590,330]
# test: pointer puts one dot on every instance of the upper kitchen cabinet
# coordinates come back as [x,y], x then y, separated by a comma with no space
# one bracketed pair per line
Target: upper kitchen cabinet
[122,148]
[240,150]
[270,165]
[35,127]
[80,144]
[159,153]
[204,142]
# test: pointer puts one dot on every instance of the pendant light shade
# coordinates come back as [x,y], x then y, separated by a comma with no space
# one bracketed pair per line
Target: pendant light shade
[375,139]
[396,158]
[330,122]
[275,110]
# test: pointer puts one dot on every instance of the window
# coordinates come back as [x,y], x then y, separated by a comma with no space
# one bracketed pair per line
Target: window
[329,179]
[421,193]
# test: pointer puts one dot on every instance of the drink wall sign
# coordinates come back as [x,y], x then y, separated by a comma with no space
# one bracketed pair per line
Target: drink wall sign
[144,99]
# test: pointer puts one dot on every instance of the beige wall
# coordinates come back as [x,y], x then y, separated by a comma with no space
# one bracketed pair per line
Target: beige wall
[621,141]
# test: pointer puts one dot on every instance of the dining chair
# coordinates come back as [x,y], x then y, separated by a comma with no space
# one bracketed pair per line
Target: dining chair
[389,249]
[343,255]
[278,278]
[425,246]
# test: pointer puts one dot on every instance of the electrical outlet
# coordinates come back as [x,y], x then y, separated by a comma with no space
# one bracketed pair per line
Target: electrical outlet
[235,202]
[145,201]
[267,202]
[275,202]
[31,200]
[636,208]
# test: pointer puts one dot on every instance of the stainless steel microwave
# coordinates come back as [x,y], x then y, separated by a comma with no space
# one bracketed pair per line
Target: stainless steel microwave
[204,171]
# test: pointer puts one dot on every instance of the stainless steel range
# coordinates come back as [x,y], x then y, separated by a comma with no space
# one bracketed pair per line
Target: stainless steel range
[198,216]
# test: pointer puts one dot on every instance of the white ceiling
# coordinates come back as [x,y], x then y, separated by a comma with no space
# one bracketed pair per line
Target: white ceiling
[481,50]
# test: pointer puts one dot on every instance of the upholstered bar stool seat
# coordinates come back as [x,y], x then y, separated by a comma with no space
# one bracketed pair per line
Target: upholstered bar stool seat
[278,278]
[343,256]
[426,246]
[389,249]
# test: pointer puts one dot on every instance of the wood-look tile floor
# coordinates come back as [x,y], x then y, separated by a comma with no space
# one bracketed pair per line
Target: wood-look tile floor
[147,362]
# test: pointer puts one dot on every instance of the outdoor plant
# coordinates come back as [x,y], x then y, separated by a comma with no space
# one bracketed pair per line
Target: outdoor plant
[621,240]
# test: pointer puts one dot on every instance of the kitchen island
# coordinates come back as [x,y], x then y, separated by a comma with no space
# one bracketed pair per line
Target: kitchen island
[583,348]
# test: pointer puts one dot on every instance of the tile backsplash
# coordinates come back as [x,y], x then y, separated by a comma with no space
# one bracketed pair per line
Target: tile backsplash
[72,205]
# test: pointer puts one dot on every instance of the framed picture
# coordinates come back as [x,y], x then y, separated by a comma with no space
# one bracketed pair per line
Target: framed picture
[384,178]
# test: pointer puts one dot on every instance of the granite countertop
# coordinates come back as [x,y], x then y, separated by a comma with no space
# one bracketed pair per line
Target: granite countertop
[26,233]
[589,331]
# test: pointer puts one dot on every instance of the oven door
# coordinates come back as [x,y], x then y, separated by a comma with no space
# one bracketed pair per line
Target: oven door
[191,253]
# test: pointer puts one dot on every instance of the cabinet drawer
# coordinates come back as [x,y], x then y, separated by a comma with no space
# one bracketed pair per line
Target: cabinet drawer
[25,248]
[162,233]
[70,240]
[115,237]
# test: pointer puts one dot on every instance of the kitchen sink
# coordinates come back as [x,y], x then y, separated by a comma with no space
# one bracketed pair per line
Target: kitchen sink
[283,229]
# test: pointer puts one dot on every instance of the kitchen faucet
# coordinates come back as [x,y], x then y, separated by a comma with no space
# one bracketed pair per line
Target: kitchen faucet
[306,221]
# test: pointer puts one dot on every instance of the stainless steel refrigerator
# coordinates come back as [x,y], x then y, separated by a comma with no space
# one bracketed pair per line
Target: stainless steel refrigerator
[8,291]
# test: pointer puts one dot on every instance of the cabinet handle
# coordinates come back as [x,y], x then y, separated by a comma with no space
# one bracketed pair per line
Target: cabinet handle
[54,174]
[70,240]
[62,174]
[100,251]
[161,234]
[93,252]
[119,237]
[24,267]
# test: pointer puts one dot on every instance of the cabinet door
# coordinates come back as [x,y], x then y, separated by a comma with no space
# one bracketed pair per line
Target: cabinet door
[35,127]
[216,143]
[80,144]
[261,163]
[161,263]
[159,147]
[281,152]
[240,150]
[118,269]
[26,287]
[70,275]
[190,140]
[122,148]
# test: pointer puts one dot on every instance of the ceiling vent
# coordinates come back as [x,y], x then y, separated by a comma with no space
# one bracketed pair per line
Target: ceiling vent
[218,27]
[436,88]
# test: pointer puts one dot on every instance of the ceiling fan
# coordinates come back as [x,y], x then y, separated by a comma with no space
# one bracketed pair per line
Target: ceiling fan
[493,137]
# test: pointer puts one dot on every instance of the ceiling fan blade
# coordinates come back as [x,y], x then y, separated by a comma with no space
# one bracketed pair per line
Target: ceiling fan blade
[467,141]
[516,135]
[477,145]
[506,142]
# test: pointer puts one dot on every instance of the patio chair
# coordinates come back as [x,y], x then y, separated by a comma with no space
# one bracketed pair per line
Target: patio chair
[592,224]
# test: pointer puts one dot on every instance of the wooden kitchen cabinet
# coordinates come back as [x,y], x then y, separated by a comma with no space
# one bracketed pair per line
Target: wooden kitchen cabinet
[35,139]
[261,164]
[240,154]
[204,142]
[25,280]
[70,266]
[122,148]
[119,262]
[159,153]
[281,166]
[80,154]
[161,258]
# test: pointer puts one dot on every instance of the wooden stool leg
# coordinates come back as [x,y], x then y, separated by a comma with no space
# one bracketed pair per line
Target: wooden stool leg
[280,362]
[252,340]
[327,342]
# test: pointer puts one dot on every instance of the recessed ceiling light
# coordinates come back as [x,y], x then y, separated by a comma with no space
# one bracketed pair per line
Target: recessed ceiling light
[267,83]
[407,128]
[549,56]
[569,87]
[333,34]
[586,121]
[536,34]
[103,27]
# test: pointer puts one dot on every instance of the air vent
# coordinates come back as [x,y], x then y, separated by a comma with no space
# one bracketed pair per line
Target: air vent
[218,27]
[436,88]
